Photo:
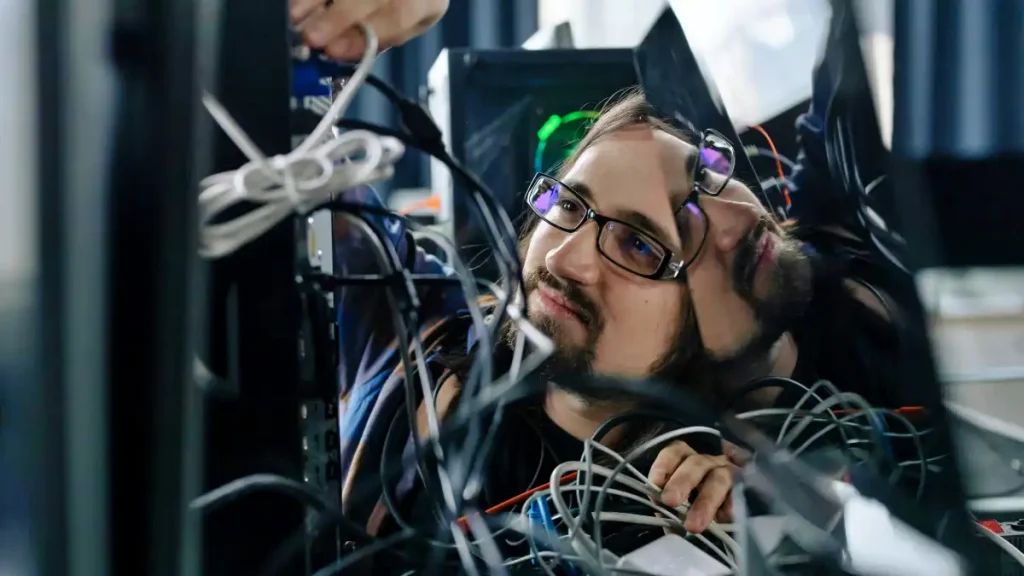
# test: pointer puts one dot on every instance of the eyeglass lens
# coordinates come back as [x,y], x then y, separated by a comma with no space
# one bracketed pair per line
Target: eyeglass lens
[718,158]
[622,243]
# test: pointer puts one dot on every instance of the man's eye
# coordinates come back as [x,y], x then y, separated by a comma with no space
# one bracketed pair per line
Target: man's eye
[568,205]
[639,245]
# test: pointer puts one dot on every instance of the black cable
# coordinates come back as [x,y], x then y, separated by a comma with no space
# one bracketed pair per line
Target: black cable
[423,134]
[486,205]
[404,317]
[361,553]
[842,160]
[258,483]
[471,300]
[385,482]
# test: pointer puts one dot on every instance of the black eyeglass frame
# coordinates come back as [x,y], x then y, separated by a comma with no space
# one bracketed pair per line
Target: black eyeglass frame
[665,270]
[699,188]
[672,266]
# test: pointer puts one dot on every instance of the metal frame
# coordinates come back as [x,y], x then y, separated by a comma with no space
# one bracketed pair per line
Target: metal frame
[152,399]
[253,309]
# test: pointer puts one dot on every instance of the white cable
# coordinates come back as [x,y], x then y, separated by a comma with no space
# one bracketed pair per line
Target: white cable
[1001,542]
[589,444]
[644,488]
[670,520]
[306,177]
[803,399]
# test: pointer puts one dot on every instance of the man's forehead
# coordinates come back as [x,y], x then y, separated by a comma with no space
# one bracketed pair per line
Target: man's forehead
[639,175]
[645,157]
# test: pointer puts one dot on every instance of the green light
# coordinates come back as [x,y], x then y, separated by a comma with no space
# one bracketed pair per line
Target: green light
[549,128]
[552,125]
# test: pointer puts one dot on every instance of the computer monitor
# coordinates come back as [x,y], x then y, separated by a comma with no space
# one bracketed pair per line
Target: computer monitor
[508,114]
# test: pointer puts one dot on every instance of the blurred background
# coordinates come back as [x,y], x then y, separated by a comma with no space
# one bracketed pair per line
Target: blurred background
[759,53]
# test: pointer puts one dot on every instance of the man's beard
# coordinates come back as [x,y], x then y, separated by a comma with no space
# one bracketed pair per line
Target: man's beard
[568,357]
[788,294]
[575,361]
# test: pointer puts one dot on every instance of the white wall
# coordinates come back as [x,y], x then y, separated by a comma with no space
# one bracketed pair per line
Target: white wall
[761,52]
[603,23]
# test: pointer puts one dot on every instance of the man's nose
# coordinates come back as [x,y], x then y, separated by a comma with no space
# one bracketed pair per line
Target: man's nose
[729,221]
[576,258]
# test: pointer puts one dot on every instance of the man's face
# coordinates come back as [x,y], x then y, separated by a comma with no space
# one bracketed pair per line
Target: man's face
[745,287]
[750,281]
[600,316]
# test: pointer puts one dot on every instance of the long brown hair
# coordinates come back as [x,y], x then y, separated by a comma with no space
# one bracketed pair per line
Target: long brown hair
[625,109]
[683,365]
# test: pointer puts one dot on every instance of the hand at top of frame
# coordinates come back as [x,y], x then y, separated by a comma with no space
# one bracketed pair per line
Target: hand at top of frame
[331,24]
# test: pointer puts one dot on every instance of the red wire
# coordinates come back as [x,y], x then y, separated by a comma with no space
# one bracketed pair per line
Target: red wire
[516,500]
[778,163]
[520,498]
[903,411]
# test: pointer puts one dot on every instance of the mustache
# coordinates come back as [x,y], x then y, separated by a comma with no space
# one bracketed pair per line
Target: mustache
[588,311]
[745,262]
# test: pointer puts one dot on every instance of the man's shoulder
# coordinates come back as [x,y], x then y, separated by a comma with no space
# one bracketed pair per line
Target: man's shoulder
[852,332]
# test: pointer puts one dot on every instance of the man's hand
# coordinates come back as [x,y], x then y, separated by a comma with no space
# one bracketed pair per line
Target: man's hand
[331,24]
[679,470]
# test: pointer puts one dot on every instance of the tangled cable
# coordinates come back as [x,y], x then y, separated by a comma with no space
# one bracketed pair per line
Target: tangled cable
[306,177]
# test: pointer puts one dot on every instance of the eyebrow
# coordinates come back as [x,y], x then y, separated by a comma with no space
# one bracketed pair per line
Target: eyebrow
[638,219]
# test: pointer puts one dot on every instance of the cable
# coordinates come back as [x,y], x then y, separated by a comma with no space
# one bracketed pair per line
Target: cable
[361,553]
[575,526]
[1010,549]
[756,151]
[715,528]
[654,442]
[403,313]
[258,483]
[424,134]
[294,182]
[778,163]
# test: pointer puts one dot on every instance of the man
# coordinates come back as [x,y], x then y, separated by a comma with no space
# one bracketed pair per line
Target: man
[646,258]
[606,287]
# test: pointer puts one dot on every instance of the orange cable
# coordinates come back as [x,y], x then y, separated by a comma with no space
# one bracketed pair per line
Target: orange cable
[778,163]
[432,203]
[520,498]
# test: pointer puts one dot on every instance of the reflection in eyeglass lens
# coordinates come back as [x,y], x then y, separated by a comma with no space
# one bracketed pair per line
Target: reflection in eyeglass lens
[717,161]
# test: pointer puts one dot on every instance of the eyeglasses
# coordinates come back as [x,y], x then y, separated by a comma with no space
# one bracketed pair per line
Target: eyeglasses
[626,245]
[712,170]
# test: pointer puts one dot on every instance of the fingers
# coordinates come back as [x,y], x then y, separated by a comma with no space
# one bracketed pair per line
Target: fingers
[329,25]
[713,495]
[679,470]
[406,19]
[667,461]
[724,514]
[687,476]
[299,10]
[393,21]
